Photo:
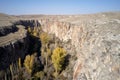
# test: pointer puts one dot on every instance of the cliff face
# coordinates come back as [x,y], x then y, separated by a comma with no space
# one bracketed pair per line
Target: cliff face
[28,23]
[97,42]
[11,52]
[4,30]
[6,24]
[15,44]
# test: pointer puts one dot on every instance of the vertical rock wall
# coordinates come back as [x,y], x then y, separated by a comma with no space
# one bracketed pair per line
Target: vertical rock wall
[11,52]
[15,45]
[97,44]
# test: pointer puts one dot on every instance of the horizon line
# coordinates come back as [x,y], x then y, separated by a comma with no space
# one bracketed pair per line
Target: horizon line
[25,14]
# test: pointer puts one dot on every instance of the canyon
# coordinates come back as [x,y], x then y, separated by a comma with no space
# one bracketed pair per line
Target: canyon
[93,38]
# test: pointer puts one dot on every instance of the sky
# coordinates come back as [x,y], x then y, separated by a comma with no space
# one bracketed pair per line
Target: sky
[20,7]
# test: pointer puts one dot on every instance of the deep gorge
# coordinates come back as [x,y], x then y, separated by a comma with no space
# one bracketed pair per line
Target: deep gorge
[17,48]
[28,45]
[92,45]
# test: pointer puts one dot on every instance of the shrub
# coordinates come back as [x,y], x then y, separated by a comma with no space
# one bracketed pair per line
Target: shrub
[58,58]
[40,75]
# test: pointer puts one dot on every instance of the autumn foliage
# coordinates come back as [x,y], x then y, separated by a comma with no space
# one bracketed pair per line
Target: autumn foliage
[29,63]
[44,38]
[58,58]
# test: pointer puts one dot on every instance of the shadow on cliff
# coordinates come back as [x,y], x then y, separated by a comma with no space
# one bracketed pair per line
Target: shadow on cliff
[7,30]
[35,48]
[34,45]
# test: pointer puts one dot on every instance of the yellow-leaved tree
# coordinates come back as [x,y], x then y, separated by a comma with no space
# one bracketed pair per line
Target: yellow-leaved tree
[58,58]
[44,38]
[29,63]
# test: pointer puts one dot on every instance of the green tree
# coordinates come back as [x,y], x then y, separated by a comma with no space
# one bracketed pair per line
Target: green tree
[58,58]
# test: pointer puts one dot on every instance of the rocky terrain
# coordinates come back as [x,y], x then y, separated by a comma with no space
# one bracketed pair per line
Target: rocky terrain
[94,39]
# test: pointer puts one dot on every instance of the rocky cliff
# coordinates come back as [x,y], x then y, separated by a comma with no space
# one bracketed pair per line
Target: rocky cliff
[14,40]
[97,41]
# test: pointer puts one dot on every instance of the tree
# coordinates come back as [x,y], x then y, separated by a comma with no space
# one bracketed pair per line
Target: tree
[29,29]
[58,58]
[44,38]
[33,32]
[19,63]
[29,63]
